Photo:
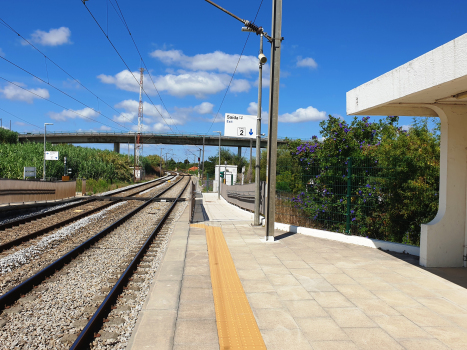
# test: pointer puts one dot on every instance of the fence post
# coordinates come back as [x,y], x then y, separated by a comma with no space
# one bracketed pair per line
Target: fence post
[349,194]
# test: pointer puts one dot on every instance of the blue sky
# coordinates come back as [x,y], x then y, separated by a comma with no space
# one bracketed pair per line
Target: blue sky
[191,49]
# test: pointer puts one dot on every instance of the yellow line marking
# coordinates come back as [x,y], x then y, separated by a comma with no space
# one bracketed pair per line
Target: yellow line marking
[236,324]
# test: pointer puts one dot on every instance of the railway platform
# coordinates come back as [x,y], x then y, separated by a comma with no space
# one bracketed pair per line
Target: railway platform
[220,286]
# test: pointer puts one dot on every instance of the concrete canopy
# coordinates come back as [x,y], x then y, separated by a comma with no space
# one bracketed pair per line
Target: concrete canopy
[434,84]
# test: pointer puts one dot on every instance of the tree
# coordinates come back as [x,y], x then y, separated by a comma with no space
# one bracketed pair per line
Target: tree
[392,176]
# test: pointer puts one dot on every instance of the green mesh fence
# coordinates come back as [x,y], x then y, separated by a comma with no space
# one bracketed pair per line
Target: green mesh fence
[387,200]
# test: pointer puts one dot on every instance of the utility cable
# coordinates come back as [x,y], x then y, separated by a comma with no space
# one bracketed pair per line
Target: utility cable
[231,79]
[1,109]
[62,69]
[124,62]
[55,103]
[142,60]
[63,92]
[122,18]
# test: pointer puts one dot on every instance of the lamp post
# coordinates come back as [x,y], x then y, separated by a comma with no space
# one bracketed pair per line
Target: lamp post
[166,155]
[262,60]
[219,187]
[276,40]
[160,168]
[45,132]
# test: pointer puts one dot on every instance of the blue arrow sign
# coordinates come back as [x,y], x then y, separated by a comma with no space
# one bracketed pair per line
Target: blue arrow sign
[251,132]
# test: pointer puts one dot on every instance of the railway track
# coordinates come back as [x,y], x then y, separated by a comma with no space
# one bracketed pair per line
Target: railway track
[18,231]
[50,308]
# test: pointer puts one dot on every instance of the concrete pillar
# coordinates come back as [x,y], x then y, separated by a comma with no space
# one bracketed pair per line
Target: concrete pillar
[117,147]
[442,240]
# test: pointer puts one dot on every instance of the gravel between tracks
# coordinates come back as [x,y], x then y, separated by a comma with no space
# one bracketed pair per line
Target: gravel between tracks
[11,279]
[51,316]
[24,256]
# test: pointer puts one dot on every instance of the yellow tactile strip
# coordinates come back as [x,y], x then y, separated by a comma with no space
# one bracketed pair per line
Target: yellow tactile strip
[236,324]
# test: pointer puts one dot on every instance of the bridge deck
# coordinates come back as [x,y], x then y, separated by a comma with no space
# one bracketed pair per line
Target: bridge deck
[147,138]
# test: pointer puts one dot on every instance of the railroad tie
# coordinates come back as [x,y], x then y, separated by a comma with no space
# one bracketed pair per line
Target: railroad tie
[236,324]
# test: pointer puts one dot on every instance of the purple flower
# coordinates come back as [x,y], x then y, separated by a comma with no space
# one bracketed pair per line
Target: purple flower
[353,219]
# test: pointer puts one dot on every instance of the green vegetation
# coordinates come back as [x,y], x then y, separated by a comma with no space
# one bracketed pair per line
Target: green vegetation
[226,156]
[86,163]
[7,136]
[366,178]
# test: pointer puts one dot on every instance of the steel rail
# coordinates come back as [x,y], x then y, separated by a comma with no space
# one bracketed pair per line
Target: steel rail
[18,222]
[15,293]
[52,227]
[96,321]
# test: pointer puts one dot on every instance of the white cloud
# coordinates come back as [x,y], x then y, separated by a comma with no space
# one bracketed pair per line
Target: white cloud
[204,108]
[218,61]
[2,53]
[124,117]
[20,123]
[84,113]
[105,128]
[150,114]
[53,37]
[240,85]
[309,114]
[253,110]
[131,106]
[157,127]
[15,93]
[406,127]
[197,84]
[306,62]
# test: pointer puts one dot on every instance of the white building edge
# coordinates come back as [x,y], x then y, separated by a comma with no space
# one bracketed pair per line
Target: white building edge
[434,84]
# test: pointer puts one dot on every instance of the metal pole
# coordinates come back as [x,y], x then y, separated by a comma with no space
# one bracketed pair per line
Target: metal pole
[45,131]
[219,187]
[273,116]
[202,174]
[198,162]
[134,160]
[160,168]
[258,138]
[349,194]
[251,156]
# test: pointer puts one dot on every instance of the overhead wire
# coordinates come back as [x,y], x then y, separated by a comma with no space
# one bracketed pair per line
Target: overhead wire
[123,20]
[142,60]
[233,74]
[124,62]
[1,109]
[55,103]
[63,92]
[62,69]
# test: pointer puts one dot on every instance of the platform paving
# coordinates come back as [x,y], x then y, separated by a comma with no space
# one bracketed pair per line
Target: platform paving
[305,293]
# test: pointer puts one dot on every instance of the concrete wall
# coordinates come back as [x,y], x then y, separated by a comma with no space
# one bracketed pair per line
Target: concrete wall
[19,191]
